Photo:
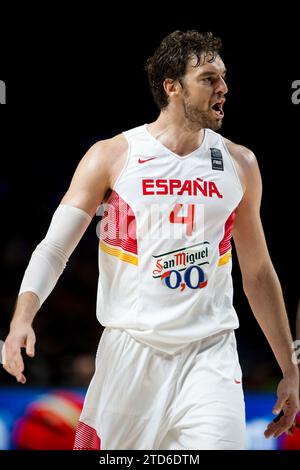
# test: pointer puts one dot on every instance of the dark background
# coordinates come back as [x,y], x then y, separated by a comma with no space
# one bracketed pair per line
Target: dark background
[75,78]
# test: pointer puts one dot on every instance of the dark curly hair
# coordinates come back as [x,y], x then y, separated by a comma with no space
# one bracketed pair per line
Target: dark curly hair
[171,57]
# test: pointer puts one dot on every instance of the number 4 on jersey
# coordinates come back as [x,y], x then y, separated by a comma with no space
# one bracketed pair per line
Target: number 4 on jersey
[188,219]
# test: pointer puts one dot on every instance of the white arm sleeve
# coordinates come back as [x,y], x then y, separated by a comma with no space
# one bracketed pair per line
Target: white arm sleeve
[50,257]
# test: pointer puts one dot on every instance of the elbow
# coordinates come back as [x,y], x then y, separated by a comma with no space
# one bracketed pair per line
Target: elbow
[256,281]
[250,287]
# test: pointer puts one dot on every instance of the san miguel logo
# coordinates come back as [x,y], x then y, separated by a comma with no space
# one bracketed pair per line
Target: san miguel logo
[165,187]
[182,268]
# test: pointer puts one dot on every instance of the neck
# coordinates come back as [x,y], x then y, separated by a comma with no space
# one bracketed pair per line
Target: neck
[175,133]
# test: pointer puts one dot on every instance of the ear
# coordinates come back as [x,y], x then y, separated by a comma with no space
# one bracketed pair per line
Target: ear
[171,87]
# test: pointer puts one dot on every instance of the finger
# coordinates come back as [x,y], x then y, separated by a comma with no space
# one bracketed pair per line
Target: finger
[21,378]
[274,432]
[269,431]
[30,345]
[274,426]
[279,404]
[13,361]
[11,368]
[290,415]
[9,363]
[278,428]
[16,367]
[19,363]
[280,431]
[278,416]
[11,353]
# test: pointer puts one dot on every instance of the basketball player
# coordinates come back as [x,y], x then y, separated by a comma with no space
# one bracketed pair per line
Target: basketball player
[167,371]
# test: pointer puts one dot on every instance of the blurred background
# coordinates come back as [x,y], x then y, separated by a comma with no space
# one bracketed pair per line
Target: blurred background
[70,83]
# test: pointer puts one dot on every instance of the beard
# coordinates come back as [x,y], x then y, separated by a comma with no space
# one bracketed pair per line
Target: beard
[198,119]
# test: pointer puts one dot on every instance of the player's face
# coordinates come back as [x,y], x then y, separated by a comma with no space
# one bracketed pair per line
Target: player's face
[203,94]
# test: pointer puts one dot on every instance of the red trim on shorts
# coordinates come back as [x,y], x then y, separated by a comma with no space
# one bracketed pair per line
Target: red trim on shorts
[86,438]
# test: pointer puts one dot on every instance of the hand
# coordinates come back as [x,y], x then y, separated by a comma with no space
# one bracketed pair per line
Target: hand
[21,335]
[288,402]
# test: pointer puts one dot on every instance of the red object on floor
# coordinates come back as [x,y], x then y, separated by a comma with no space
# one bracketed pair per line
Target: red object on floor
[49,422]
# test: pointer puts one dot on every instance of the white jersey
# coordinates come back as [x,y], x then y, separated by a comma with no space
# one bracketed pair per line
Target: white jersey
[165,251]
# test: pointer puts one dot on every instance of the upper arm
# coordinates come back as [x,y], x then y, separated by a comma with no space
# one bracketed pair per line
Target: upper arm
[248,232]
[95,174]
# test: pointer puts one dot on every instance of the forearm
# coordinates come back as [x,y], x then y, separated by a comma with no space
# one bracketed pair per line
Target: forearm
[26,308]
[266,301]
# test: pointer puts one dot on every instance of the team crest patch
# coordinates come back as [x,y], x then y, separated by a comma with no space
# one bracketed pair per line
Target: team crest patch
[216,159]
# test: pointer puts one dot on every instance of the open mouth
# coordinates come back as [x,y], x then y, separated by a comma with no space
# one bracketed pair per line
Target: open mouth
[218,109]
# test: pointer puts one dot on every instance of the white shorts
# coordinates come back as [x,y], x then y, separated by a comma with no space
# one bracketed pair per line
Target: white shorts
[140,398]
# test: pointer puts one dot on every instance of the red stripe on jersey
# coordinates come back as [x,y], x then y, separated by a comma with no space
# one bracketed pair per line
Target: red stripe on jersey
[86,438]
[225,243]
[118,224]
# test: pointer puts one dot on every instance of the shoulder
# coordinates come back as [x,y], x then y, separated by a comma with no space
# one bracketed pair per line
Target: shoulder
[94,175]
[108,155]
[242,153]
[109,149]
[244,160]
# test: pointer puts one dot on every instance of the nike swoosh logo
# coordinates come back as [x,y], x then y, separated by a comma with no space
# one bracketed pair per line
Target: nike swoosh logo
[146,160]
[237,381]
